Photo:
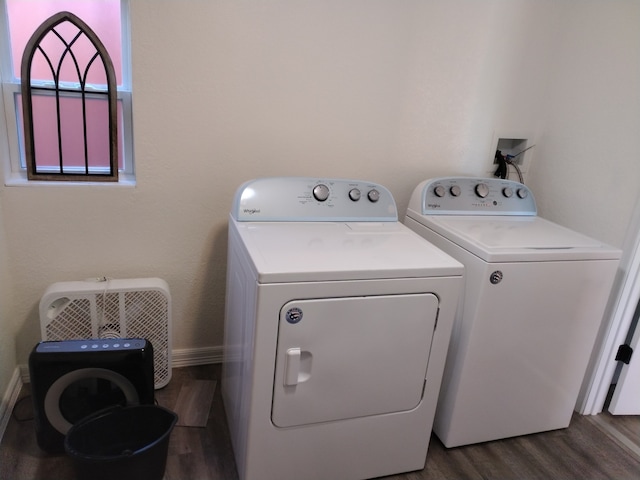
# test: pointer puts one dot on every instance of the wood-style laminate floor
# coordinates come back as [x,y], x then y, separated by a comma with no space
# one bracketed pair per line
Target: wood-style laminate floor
[593,447]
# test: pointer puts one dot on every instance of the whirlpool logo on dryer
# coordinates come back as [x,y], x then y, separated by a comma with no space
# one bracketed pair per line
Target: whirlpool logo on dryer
[294,315]
[251,211]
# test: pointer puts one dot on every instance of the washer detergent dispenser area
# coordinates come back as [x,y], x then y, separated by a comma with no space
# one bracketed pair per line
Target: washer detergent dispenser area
[72,379]
[337,324]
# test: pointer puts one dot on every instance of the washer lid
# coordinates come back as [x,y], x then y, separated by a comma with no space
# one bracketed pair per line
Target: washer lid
[526,238]
[325,251]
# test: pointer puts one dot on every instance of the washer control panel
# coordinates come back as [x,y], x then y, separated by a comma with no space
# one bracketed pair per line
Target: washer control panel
[475,196]
[92,345]
[313,199]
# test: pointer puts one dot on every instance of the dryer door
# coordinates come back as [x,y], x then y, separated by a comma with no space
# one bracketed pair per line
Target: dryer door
[351,357]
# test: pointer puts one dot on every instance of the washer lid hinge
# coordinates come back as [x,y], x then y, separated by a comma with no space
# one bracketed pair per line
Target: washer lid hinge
[624,353]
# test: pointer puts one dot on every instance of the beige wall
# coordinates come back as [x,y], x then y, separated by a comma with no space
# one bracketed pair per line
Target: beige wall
[7,321]
[391,91]
[587,169]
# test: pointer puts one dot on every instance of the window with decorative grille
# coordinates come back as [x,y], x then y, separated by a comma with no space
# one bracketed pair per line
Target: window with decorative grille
[84,145]
[66,90]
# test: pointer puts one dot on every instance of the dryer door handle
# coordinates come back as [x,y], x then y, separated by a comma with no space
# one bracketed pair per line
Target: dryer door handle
[291,367]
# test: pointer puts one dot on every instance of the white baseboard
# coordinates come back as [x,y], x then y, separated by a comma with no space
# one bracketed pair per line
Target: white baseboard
[24,373]
[9,400]
[196,356]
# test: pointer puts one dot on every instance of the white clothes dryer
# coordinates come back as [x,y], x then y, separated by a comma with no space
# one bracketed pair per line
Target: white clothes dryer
[338,319]
[533,301]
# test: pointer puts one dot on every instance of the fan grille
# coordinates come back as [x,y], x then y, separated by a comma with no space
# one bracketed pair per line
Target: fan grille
[114,314]
[75,322]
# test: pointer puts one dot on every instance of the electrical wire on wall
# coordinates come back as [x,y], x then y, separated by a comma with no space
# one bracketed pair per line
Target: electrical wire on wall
[504,161]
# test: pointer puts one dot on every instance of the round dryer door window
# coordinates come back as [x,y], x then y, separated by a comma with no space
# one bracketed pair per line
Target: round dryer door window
[82,392]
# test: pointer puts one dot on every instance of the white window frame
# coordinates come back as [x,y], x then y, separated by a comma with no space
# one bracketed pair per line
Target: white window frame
[15,172]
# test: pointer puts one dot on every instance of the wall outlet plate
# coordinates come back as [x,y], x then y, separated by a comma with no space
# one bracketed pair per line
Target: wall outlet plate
[513,144]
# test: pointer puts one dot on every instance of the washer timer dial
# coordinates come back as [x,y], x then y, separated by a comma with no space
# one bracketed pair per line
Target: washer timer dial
[482,190]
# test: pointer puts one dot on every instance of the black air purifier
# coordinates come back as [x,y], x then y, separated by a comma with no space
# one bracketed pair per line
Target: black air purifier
[72,379]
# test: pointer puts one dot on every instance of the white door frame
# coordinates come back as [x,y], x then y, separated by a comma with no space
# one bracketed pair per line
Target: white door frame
[627,295]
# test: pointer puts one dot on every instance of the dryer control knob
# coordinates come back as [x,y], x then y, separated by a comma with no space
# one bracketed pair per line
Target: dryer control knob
[455,191]
[523,193]
[373,195]
[321,192]
[507,192]
[439,191]
[354,194]
[482,190]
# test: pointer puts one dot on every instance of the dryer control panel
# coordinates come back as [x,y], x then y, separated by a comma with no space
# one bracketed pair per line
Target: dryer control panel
[472,196]
[300,199]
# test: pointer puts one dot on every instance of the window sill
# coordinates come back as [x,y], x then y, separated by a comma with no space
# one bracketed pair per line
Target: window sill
[20,180]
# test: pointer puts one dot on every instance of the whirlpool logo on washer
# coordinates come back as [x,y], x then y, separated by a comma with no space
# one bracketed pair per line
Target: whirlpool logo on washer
[294,315]
[251,211]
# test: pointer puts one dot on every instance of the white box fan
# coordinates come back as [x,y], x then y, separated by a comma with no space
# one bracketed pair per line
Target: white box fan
[111,308]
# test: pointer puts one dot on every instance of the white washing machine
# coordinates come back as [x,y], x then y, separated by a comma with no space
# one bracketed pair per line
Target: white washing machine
[338,320]
[532,304]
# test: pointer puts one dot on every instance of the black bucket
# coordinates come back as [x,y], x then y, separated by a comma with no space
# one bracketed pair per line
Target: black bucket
[122,443]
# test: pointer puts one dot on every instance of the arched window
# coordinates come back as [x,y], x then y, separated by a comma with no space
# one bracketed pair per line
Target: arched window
[70,118]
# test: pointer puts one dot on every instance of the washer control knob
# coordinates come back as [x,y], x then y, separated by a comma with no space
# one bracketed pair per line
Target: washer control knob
[455,191]
[373,195]
[439,191]
[482,190]
[354,194]
[507,192]
[321,192]
[523,193]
